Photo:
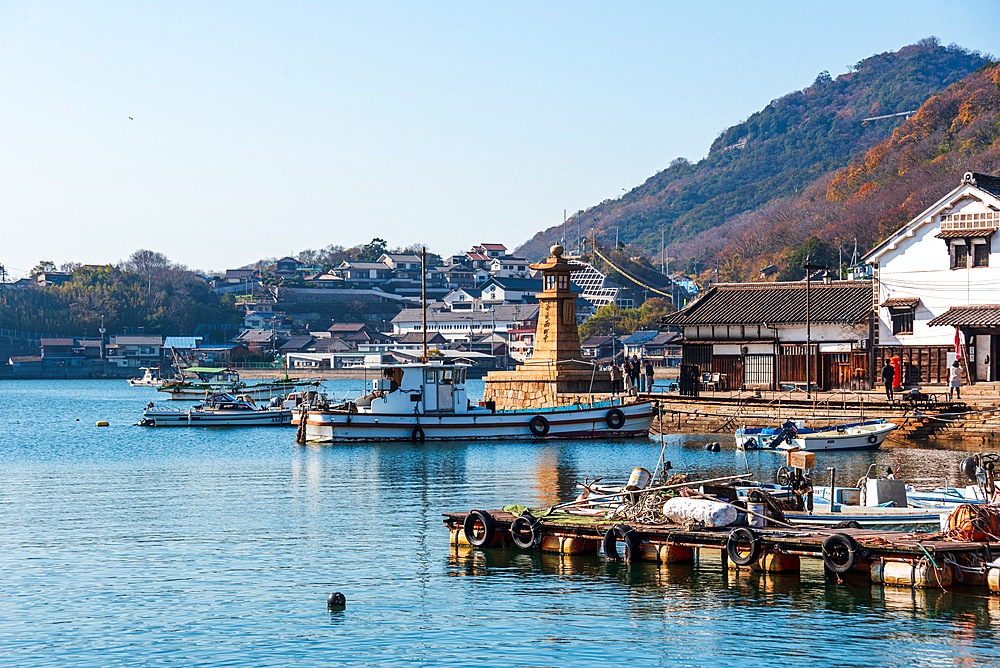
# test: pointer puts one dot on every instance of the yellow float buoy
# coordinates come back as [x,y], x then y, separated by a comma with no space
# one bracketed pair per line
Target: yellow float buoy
[102,423]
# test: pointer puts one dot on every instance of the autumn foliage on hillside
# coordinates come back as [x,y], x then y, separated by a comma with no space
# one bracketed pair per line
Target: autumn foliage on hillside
[774,164]
[954,132]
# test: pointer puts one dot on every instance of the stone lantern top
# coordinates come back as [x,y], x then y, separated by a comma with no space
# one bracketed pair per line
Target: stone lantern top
[557,263]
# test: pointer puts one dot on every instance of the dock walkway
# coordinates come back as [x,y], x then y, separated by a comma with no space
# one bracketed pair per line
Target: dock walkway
[883,557]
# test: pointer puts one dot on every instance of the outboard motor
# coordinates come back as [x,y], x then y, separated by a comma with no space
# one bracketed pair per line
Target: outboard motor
[788,432]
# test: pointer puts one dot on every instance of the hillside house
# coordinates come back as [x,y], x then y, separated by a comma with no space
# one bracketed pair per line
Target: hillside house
[135,351]
[601,349]
[67,351]
[464,299]
[239,275]
[664,349]
[362,274]
[466,325]
[510,267]
[47,278]
[937,274]
[286,266]
[340,330]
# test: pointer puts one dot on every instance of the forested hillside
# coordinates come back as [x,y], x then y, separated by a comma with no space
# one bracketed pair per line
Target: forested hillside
[146,291]
[775,154]
[883,188]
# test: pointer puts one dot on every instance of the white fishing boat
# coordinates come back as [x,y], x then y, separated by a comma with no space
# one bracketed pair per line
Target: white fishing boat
[220,410]
[865,435]
[150,378]
[211,380]
[418,402]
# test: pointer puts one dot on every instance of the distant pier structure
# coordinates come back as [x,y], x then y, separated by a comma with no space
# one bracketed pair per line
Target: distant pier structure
[555,374]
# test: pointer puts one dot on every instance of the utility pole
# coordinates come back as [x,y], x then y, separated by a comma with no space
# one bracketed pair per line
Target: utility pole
[810,268]
[102,330]
[662,248]
[423,298]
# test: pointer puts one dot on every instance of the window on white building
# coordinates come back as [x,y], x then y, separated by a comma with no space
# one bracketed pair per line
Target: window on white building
[902,320]
[959,252]
[980,254]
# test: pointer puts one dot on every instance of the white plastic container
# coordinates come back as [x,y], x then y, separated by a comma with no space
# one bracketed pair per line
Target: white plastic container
[709,513]
[757,520]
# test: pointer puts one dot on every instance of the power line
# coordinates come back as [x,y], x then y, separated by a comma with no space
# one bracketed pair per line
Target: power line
[624,273]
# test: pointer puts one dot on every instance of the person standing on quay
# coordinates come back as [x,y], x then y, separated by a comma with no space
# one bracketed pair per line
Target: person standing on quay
[626,377]
[649,376]
[634,369]
[616,378]
[888,375]
[955,380]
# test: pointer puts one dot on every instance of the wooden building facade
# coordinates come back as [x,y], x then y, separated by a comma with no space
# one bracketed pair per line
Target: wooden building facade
[755,335]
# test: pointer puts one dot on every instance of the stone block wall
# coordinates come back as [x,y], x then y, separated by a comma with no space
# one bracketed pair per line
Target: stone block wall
[536,388]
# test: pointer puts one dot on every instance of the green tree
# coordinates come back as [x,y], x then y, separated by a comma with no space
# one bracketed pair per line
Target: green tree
[42,267]
[371,251]
[818,252]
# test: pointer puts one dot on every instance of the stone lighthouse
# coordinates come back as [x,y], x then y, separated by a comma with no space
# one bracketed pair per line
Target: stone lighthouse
[556,373]
[556,337]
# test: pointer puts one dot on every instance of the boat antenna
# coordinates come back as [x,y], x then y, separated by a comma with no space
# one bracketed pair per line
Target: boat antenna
[423,297]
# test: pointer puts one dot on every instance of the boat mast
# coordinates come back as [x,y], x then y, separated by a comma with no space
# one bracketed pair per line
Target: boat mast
[423,298]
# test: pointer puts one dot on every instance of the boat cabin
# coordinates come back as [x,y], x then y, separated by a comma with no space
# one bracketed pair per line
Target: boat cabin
[214,375]
[227,402]
[417,388]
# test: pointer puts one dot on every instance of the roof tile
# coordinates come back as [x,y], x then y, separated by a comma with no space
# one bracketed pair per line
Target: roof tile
[847,302]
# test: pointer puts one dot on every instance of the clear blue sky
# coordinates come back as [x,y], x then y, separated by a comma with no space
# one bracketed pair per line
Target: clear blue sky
[261,129]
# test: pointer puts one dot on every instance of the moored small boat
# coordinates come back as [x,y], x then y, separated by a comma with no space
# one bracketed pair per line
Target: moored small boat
[418,402]
[150,378]
[212,380]
[864,435]
[219,410]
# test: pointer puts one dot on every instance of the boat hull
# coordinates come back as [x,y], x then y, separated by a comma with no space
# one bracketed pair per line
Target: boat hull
[854,437]
[894,521]
[569,423]
[179,418]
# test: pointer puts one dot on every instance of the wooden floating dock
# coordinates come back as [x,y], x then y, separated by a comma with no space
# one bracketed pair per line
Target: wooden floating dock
[882,557]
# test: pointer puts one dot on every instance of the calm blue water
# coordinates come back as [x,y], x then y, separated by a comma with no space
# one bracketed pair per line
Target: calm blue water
[126,546]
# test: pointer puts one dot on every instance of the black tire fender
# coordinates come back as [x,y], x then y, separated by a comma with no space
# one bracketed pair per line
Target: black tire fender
[840,553]
[743,536]
[873,439]
[489,528]
[417,435]
[968,468]
[526,523]
[625,533]
[615,418]
[538,425]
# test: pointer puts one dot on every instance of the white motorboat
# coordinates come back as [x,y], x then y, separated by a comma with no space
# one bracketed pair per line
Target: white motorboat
[150,378]
[865,435]
[418,402]
[219,410]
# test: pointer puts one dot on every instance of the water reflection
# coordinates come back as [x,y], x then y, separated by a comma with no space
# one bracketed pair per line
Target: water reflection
[173,539]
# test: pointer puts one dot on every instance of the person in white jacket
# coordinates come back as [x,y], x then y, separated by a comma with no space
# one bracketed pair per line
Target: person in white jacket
[955,380]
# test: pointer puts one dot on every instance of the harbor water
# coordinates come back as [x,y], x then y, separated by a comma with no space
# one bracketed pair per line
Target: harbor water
[132,546]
